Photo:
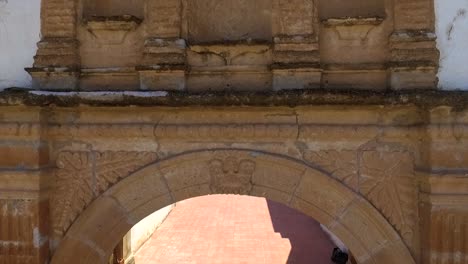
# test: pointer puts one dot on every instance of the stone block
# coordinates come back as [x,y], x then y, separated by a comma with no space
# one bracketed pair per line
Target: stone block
[357,79]
[142,210]
[190,192]
[290,79]
[154,80]
[55,80]
[359,251]
[226,80]
[82,250]
[394,250]
[193,171]
[276,175]
[140,188]
[333,200]
[228,20]
[24,155]
[109,79]
[402,79]
[311,210]
[371,229]
[103,223]
[271,194]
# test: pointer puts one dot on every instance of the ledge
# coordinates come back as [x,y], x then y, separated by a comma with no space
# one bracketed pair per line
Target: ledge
[427,99]
[352,21]
[112,23]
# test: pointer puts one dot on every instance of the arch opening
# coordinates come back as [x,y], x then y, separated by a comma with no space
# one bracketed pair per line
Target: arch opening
[100,227]
[227,228]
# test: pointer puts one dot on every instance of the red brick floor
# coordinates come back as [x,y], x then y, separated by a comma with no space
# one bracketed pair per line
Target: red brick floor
[236,229]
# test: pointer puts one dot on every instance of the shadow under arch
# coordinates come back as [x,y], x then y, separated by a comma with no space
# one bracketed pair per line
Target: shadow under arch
[93,236]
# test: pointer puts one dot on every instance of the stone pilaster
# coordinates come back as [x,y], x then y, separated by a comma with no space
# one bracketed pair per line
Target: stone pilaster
[445,219]
[295,56]
[57,62]
[24,205]
[23,231]
[414,56]
[163,66]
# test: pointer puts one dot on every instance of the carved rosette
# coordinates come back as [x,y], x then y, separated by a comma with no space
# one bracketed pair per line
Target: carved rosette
[82,176]
[231,175]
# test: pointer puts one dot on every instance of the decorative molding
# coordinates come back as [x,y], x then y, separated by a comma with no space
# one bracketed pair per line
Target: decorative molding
[82,176]
[231,175]
[19,129]
[227,131]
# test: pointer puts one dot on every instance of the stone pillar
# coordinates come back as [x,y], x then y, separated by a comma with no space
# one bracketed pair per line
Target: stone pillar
[295,56]
[445,222]
[414,56]
[23,234]
[24,213]
[163,66]
[57,62]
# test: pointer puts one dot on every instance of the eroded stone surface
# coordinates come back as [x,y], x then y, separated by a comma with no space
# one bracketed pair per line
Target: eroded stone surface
[313,44]
[319,160]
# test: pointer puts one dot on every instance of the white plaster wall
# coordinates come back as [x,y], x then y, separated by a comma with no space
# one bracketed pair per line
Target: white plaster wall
[452,41]
[142,231]
[19,33]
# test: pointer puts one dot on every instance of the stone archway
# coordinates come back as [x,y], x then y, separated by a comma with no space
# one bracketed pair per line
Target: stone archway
[99,228]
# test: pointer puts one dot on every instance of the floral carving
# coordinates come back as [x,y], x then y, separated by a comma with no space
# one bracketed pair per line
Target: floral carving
[342,165]
[82,176]
[387,180]
[231,175]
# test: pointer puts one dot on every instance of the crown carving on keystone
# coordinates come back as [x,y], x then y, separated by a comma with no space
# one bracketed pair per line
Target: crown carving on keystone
[231,175]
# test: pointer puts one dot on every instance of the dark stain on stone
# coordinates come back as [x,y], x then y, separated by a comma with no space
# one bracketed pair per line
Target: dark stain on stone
[425,99]
[460,14]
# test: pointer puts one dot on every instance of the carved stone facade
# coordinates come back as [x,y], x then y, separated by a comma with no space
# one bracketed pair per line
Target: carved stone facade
[236,45]
[386,178]
[231,176]
[387,172]
[83,176]
[353,168]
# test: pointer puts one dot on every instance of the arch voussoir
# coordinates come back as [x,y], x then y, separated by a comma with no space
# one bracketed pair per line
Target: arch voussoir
[96,232]
[369,229]
[352,218]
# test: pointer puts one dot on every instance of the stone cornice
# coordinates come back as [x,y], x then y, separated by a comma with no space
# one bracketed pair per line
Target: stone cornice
[423,99]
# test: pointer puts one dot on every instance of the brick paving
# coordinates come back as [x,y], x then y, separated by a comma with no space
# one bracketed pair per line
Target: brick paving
[236,229]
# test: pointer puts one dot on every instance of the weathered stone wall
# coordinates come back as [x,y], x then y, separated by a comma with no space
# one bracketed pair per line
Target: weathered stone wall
[23,16]
[266,45]
[407,163]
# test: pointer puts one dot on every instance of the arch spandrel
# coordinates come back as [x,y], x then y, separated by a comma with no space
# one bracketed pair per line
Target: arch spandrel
[310,191]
